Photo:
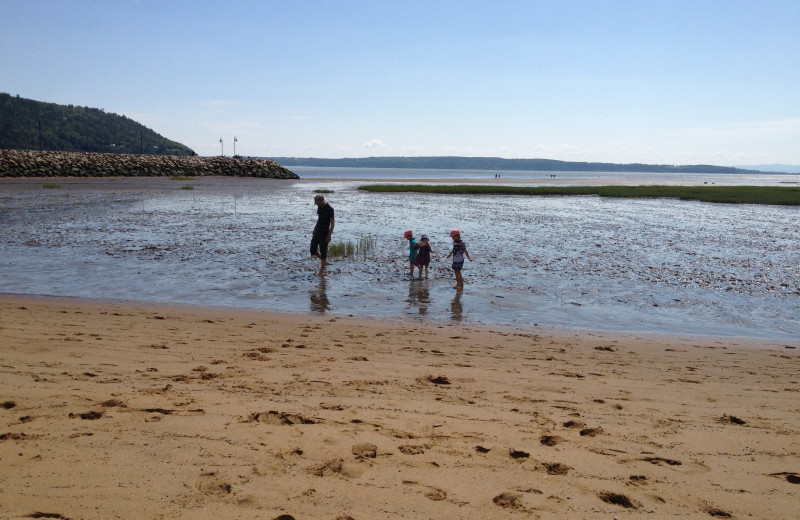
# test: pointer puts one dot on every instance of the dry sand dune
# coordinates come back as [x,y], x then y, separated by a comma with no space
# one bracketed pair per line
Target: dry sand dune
[114,410]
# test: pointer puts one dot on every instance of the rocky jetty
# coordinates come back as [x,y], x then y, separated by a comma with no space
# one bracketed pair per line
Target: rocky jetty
[29,163]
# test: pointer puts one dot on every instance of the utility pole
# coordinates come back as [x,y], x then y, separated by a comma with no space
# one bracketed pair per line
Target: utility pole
[234,145]
[221,147]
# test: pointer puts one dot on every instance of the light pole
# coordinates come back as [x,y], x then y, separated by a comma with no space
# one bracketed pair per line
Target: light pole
[234,145]
[222,147]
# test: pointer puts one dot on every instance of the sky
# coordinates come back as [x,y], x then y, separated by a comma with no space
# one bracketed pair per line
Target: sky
[624,81]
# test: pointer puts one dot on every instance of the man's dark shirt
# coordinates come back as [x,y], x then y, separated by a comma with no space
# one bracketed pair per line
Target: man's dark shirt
[324,216]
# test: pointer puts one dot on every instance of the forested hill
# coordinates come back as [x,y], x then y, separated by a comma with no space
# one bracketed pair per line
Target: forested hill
[26,124]
[496,163]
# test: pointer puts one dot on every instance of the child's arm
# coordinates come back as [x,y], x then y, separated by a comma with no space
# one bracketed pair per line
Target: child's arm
[467,253]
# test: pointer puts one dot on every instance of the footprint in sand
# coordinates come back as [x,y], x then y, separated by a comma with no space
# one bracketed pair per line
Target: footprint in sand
[211,483]
[730,419]
[556,468]
[410,449]
[619,500]
[112,403]
[550,440]
[89,416]
[717,512]
[365,451]
[339,467]
[509,500]
[280,419]
[517,454]
[661,460]
[431,492]
[13,437]
[437,495]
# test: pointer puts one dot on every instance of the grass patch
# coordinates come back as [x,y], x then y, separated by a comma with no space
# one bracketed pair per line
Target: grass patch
[773,195]
[322,190]
[187,187]
[51,186]
[181,178]
[348,249]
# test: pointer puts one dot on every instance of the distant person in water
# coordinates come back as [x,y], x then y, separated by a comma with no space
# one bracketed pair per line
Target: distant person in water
[458,253]
[321,236]
[424,251]
[412,250]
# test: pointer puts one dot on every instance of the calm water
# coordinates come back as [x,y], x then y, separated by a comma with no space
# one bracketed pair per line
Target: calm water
[514,177]
[629,265]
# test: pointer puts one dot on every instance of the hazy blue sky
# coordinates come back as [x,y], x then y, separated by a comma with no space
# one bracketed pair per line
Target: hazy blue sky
[653,81]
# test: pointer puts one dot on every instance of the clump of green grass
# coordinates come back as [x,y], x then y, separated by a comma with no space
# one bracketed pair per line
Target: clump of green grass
[181,178]
[348,249]
[187,187]
[772,195]
[322,190]
[51,186]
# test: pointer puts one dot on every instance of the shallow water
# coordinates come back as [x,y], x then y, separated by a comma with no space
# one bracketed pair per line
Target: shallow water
[584,262]
[555,178]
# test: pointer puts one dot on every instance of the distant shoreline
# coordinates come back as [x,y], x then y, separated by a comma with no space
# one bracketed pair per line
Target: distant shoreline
[500,164]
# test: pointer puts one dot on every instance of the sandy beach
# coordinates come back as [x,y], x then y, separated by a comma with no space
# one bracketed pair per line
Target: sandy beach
[121,410]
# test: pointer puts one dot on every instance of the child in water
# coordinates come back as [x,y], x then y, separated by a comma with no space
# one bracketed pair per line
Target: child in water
[412,249]
[458,252]
[423,255]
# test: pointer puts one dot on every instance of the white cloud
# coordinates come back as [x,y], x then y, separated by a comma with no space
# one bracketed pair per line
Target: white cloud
[375,143]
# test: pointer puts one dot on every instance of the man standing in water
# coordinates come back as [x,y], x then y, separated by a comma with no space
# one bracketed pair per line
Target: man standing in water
[322,232]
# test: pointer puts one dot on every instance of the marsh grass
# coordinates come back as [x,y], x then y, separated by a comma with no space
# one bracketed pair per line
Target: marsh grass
[772,195]
[51,186]
[348,249]
[187,187]
[322,190]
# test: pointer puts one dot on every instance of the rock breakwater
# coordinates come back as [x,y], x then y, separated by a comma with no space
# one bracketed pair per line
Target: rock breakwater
[30,163]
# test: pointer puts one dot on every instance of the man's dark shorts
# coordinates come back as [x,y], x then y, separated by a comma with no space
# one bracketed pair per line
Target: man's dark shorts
[457,266]
[319,243]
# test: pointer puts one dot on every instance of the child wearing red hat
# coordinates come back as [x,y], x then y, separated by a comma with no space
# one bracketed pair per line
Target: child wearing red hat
[412,246]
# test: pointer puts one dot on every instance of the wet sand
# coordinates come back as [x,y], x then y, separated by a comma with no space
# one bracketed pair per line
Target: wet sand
[120,410]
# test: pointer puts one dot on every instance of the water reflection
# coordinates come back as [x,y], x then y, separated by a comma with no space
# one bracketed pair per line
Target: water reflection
[456,309]
[419,295]
[319,297]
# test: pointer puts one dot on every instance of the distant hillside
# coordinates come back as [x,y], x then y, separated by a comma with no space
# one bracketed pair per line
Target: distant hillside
[26,124]
[774,168]
[496,163]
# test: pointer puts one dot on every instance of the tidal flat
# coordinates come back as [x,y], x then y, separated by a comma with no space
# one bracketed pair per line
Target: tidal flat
[652,265]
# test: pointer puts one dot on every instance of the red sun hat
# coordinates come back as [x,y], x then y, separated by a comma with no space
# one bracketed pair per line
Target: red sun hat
[408,233]
[454,233]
